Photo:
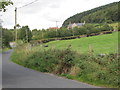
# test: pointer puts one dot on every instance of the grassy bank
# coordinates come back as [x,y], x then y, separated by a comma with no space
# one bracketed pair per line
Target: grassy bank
[92,60]
[93,69]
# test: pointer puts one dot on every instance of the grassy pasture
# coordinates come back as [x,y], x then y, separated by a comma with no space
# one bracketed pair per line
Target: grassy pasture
[102,44]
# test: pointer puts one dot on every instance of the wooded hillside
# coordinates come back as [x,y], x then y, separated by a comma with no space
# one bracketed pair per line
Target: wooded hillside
[107,13]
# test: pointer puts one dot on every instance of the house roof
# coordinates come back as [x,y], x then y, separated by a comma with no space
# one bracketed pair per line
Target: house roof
[70,25]
[78,24]
[53,28]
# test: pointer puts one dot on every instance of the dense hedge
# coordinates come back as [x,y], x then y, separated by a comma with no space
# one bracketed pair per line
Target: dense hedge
[37,42]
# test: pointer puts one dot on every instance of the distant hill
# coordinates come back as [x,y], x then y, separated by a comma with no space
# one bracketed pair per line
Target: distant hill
[107,13]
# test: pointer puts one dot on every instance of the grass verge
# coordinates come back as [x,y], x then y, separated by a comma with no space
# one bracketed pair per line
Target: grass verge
[100,70]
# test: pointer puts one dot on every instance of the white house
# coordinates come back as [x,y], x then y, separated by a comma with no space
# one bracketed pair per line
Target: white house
[71,26]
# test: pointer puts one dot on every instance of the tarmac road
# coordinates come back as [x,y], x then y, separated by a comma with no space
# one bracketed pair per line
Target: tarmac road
[16,76]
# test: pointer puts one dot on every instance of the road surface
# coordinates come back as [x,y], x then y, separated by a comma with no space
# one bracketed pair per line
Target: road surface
[16,76]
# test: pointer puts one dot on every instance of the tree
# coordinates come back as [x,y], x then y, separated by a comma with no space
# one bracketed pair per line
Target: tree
[17,26]
[25,34]
[7,36]
[5,3]
[37,34]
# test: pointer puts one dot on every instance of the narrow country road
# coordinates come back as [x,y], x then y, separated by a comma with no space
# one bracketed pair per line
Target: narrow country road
[15,76]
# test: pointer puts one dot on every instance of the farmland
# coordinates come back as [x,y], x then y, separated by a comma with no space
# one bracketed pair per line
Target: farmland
[107,43]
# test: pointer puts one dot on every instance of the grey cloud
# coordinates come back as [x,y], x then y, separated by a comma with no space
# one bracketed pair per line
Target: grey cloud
[40,5]
[53,5]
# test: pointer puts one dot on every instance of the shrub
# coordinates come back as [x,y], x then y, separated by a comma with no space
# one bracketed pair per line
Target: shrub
[66,60]
[90,67]
[102,69]
[51,60]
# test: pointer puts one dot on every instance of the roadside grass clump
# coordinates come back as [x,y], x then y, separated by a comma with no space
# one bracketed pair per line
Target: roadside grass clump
[100,70]
[52,60]
[44,60]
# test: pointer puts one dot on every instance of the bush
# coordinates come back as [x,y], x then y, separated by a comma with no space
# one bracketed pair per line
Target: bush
[92,68]
[52,60]
[102,69]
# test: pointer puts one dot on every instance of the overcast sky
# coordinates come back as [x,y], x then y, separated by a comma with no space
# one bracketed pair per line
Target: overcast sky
[44,13]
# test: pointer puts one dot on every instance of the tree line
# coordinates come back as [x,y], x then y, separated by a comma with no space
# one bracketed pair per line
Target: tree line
[26,35]
[9,35]
[64,32]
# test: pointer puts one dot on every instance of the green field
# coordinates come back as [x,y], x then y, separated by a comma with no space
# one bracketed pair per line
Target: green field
[102,44]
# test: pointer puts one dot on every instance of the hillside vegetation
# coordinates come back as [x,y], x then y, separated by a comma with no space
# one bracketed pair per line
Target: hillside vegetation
[107,13]
[89,64]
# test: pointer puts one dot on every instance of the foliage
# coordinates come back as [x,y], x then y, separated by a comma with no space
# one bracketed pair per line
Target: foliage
[116,26]
[52,60]
[107,13]
[102,69]
[38,34]
[7,36]
[25,34]
[99,68]
[5,3]
[64,32]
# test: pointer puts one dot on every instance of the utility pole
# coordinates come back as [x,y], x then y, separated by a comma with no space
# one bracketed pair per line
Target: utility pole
[56,27]
[26,36]
[15,27]
[15,24]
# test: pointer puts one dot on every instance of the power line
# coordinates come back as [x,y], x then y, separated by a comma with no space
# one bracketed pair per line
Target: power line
[16,18]
[28,4]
